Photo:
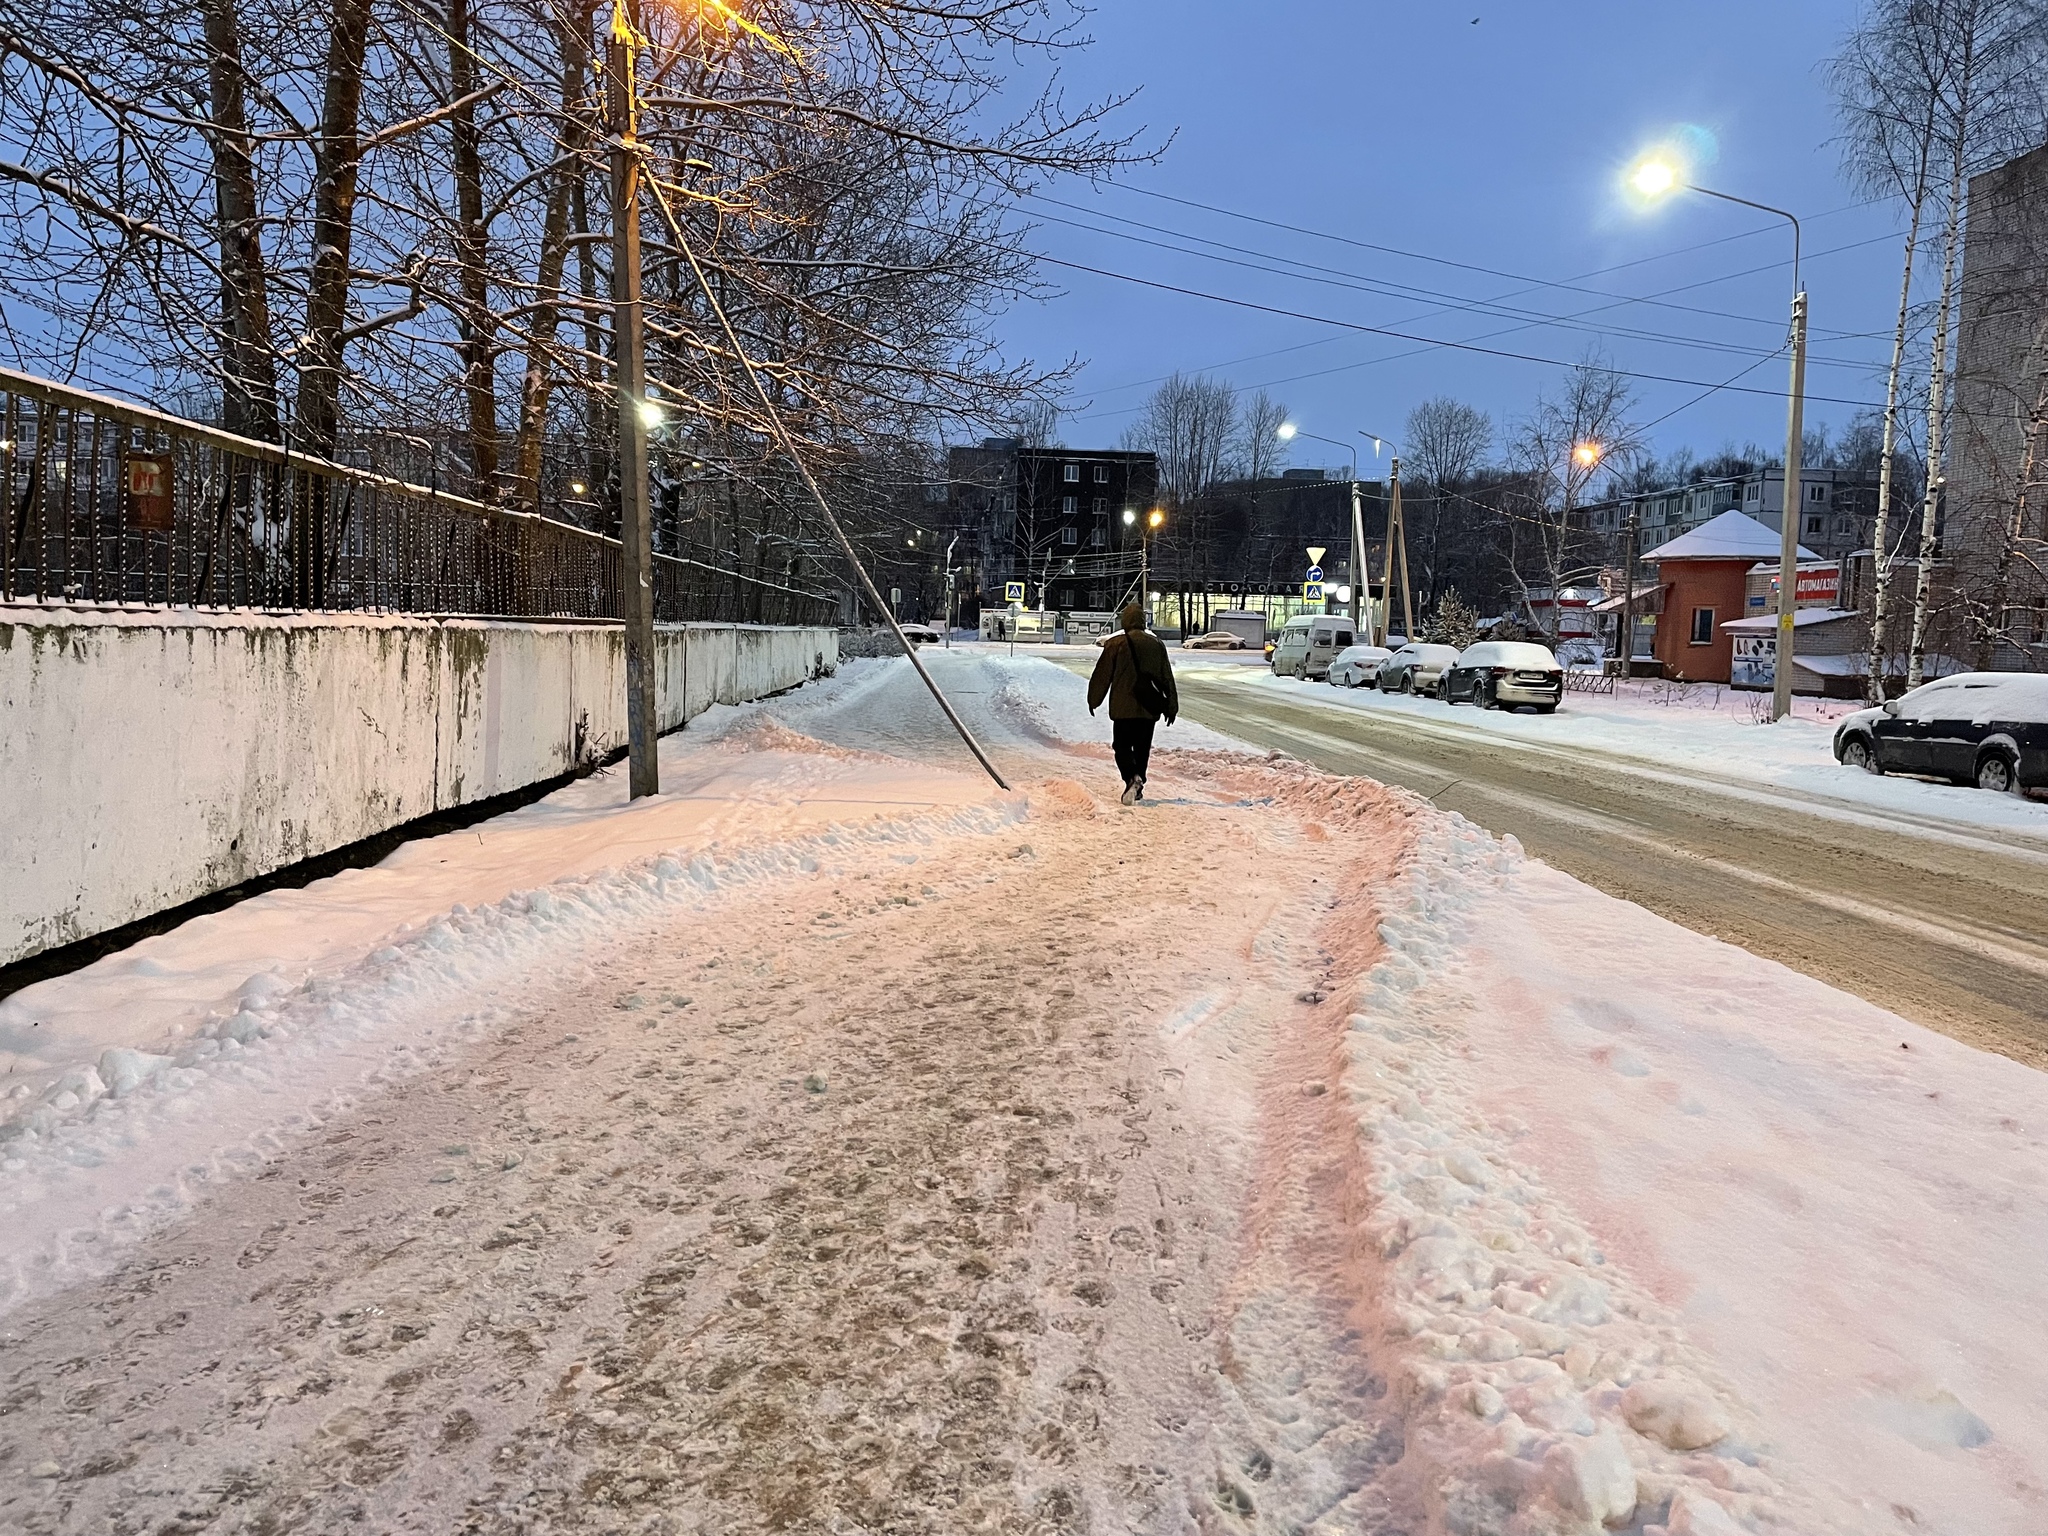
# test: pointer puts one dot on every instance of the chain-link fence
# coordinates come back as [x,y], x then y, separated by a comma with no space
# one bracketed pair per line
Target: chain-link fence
[108,503]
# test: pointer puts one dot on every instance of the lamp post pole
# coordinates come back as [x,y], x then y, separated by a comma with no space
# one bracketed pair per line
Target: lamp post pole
[1656,178]
[636,558]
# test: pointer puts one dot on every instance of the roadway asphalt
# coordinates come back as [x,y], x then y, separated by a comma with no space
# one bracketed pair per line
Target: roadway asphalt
[1943,925]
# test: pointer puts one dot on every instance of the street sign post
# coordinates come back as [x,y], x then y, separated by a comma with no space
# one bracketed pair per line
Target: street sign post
[1013,591]
[1311,591]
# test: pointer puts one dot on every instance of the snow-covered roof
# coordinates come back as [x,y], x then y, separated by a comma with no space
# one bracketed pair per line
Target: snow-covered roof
[1731,536]
[1802,618]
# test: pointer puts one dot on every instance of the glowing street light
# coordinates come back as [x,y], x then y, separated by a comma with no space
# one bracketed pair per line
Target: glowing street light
[577,487]
[1130,516]
[1286,431]
[1157,517]
[1655,176]
[1586,455]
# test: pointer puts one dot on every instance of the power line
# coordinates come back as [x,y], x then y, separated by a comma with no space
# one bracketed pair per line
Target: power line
[1425,341]
[1531,319]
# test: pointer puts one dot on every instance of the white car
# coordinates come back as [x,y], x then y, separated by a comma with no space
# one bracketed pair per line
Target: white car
[1215,640]
[920,634]
[1358,666]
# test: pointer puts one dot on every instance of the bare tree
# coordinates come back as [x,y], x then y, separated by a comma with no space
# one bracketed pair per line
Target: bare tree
[1446,443]
[1558,448]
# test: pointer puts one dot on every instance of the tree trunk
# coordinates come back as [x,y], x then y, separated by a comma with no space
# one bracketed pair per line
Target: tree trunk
[554,250]
[1937,382]
[477,327]
[334,203]
[249,393]
[1880,543]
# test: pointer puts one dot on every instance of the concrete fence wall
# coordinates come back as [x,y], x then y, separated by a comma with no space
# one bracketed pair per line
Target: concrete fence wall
[147,759]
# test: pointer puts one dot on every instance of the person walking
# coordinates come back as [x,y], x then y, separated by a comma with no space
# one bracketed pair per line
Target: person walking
[1136,675]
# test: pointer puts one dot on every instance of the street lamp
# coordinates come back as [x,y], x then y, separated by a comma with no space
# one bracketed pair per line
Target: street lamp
[1657,176]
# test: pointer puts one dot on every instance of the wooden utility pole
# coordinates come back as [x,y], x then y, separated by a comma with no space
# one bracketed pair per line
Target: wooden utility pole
[1397,533]
[636,558]
[1360,598]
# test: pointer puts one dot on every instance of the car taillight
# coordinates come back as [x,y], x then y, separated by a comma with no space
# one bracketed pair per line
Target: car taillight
[1498,671]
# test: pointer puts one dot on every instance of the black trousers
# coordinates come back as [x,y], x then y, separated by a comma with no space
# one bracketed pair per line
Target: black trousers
[1133,740]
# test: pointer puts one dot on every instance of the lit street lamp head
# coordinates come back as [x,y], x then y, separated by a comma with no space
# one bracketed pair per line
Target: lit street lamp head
[1586,455]
[1130,516]
[1156,518]
[1286,431]
[1655,176]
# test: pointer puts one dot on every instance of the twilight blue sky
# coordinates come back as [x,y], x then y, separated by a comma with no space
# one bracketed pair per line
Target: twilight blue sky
[1499,145]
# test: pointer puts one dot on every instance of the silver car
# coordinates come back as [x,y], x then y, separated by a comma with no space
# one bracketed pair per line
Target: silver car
[1358,666]
[1416,667]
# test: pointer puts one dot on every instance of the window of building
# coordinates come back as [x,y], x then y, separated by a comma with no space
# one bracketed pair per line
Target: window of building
[1816,493]
[1097,537]
[1072,474]
[1070,536]
[1703,626]
[1102,506]
[1068,505]
[1098,598]
[1815,524]
[1102,474]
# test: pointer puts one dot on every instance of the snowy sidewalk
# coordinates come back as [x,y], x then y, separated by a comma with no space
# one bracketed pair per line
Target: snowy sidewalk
[1281,1155]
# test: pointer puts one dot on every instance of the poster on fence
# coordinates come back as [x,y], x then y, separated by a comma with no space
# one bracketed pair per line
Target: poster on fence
[147,498]
[1756,662]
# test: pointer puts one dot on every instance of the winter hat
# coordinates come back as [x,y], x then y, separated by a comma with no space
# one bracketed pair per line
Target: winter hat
[1131,616]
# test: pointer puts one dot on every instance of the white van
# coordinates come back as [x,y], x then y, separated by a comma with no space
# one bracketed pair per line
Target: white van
[1309,643]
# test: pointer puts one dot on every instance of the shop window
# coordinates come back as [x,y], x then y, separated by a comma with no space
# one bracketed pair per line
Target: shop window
[1703,626]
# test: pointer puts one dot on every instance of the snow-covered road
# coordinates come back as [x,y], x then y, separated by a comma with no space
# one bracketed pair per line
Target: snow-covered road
[1282,1155]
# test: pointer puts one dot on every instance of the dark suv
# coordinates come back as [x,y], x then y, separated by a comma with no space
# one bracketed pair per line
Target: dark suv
[1984,728]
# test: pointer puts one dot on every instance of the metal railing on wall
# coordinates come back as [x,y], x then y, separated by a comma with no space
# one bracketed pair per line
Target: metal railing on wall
[107,503]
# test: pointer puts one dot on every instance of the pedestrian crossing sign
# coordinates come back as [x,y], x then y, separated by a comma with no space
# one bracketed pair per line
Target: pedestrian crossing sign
[1013,591]
[1311,591]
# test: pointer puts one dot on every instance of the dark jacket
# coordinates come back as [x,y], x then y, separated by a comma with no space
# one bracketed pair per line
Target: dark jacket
[1114,676]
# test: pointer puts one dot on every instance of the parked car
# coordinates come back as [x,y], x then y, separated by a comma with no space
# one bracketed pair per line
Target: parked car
[1507,673]
[918,634]
[1358,666]
[1416,667]
[1984,728]
[1309,643]
[1214,640]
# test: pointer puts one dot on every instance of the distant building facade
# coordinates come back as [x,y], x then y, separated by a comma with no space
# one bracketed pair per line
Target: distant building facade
[1837,510]
[1051,518]
[1999,602]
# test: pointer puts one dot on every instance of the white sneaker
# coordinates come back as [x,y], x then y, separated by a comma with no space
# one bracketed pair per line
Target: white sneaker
[1132,789]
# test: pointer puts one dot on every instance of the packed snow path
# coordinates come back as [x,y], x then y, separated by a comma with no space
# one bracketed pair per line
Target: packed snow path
[1281,1156]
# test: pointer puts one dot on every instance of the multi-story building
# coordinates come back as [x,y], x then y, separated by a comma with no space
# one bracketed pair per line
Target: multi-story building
[1837,510]
[1995,598]
[1053,519]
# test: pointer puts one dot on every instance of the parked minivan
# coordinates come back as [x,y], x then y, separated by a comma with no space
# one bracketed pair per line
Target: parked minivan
[1309,643]
[1507,673]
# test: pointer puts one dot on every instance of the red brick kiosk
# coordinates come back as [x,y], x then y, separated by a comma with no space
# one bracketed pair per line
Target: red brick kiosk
[1704,575]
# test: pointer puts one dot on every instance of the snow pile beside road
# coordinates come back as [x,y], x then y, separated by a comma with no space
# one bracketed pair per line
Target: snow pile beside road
[122,1142]
[1545,1391]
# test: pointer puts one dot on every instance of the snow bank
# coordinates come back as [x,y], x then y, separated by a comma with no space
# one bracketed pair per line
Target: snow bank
[1545,1390]
[1674,1239]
